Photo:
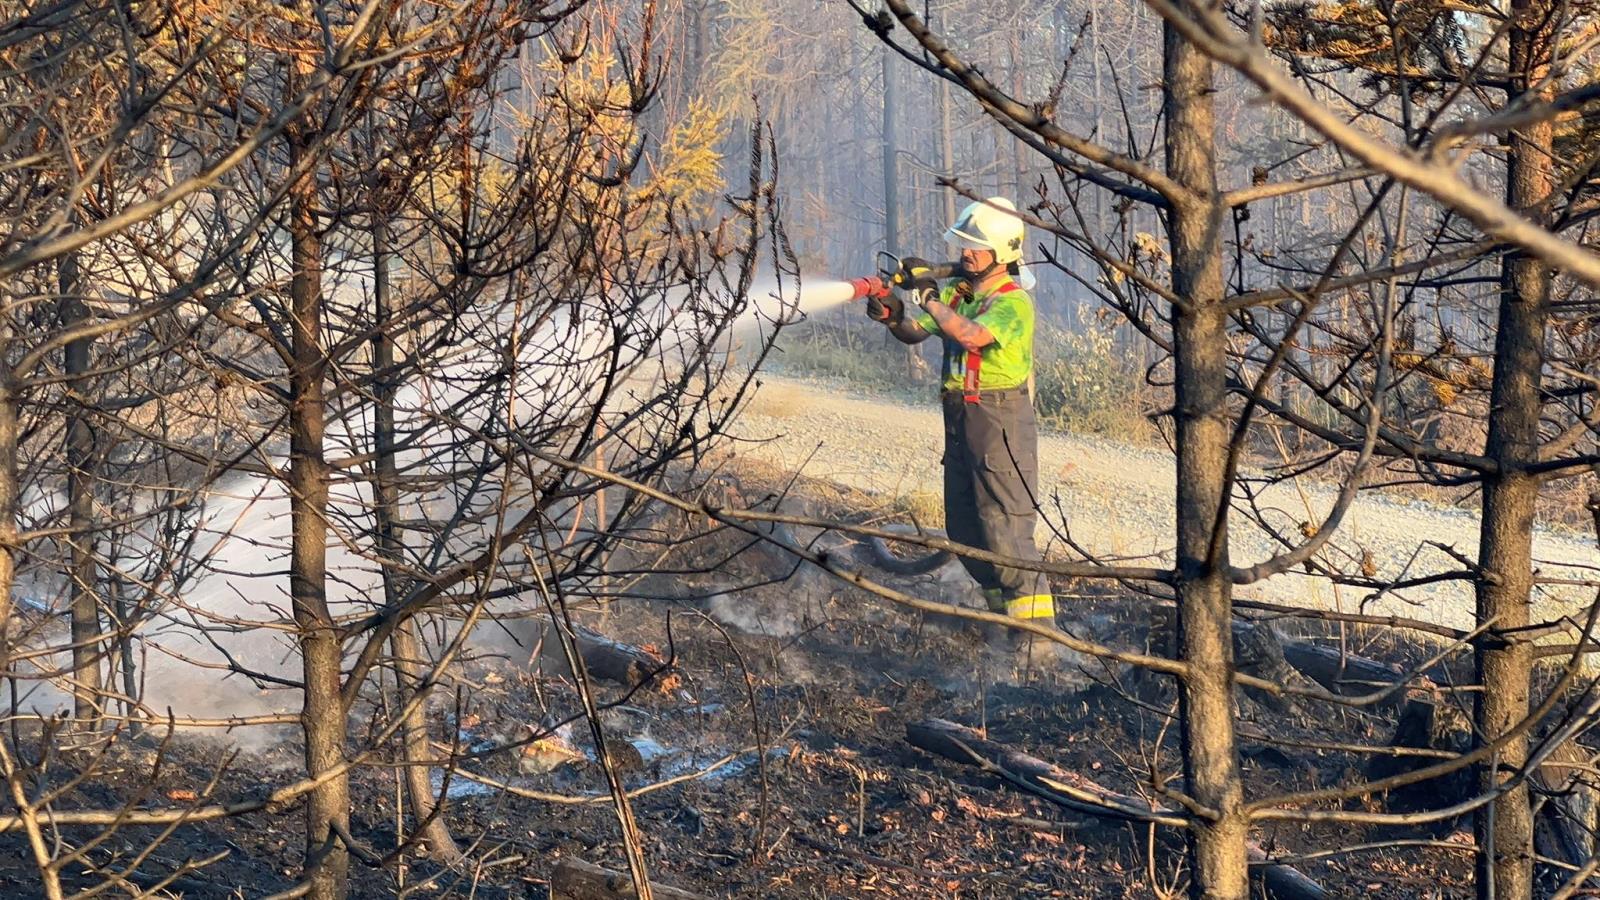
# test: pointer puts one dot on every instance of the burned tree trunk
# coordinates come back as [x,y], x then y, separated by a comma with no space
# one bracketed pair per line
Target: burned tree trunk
[891,153]
[322,714]
[947,151]
[891,178]
[386,512]
[1564,795]
[1505,552]
[1200,416]
[84,603]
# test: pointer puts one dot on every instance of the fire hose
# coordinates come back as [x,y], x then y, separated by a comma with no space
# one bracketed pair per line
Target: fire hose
[878,551]
[919,277]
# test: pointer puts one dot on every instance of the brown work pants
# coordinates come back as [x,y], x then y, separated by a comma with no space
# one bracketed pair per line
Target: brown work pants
[991,485]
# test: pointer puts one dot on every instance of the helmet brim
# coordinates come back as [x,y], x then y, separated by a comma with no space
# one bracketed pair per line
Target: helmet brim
[963,239]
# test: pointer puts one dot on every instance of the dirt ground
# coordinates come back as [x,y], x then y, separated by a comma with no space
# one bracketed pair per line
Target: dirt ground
[795,695]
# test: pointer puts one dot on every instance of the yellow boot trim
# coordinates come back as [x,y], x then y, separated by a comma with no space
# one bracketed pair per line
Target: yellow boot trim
[1036,606]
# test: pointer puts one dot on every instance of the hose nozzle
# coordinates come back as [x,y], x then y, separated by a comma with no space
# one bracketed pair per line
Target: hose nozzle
[870,286]
[901,273]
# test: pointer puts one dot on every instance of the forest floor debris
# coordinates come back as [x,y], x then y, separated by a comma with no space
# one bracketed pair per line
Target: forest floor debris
[788,772]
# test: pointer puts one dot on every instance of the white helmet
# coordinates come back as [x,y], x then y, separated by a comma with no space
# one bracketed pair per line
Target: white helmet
[991,224]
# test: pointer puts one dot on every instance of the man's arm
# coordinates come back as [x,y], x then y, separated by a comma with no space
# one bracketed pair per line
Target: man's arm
[957,327]
[907,331]
[892,312]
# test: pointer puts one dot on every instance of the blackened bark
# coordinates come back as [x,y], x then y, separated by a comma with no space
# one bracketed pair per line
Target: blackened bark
[1505,550]
[1217,842]
[409,669]
[83,587]
[322,713]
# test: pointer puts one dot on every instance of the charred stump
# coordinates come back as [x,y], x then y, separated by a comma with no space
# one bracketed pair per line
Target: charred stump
[1258,650]
[1426,725]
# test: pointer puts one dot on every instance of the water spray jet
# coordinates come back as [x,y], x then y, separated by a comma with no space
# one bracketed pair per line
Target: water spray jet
[817,296]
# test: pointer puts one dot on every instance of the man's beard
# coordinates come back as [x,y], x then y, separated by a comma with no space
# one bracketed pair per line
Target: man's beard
[970,272]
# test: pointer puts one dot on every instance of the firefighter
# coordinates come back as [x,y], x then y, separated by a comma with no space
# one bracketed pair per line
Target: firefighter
[986,321]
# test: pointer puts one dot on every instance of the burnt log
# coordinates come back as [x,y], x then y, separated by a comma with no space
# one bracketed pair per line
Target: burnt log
[613,660]
[576,879]
[603,657]
[1260,651]
[1072,791]
[1346,673]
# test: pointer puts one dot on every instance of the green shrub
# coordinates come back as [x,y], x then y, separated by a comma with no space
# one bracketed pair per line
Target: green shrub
[1084,383]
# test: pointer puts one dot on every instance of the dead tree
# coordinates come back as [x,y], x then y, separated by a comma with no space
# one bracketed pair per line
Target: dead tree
[102,284]
[405,643]
[1200,365]
[1511,490]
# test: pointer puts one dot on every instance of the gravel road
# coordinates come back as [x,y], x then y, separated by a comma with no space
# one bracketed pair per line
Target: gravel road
[1117,501]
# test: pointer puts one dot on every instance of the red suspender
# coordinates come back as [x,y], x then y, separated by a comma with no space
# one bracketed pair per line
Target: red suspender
[969,381]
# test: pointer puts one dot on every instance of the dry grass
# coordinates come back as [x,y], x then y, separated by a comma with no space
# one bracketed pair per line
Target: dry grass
[925,508]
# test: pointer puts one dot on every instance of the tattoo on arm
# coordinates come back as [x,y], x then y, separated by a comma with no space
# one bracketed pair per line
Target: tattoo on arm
[959,328]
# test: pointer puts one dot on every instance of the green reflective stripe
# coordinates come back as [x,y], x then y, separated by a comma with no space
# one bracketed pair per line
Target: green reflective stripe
[1037,606]
[995,599]
[926,323]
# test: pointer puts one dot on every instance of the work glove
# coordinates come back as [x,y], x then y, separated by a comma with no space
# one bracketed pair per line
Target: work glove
[888,310]
[915,275]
